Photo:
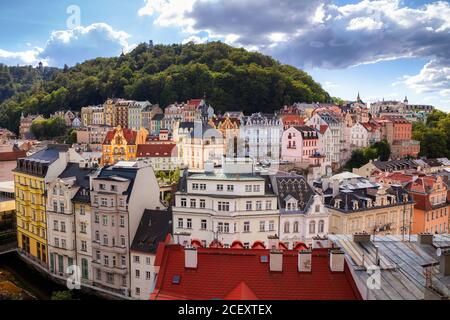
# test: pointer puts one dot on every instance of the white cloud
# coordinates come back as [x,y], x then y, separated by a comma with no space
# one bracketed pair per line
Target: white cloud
[322,33]
[73,46]
[170,12]
[195,39]
[82,43]
[433,78]
[28,57]
[364,23]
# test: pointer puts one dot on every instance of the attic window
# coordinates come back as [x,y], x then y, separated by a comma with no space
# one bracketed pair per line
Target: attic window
[176,279]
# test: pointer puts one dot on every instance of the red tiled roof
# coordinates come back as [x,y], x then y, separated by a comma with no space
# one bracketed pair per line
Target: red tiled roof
[241,292]
[293,118]
[129,135]
[239,274]
[12,155]
[155,150]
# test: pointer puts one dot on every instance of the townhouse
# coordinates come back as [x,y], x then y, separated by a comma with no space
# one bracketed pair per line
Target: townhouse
[301,144]
[119,196]
[261,134]
[68,229]
[332,130]
[357,205]
[121,144]
[303,215]
[30,178]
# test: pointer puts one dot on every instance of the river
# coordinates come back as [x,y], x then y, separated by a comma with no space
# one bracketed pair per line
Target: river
[31,281]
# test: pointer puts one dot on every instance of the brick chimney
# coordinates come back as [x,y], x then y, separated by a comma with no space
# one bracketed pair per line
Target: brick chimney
[304,261]
[337,260]
[425,238]
[276,260]
[321,243]
[361,237]
[190,258]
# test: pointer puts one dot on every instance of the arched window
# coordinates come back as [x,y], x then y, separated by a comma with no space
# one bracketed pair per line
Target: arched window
[321,226]
[312,227]
[286,227]
[296,226]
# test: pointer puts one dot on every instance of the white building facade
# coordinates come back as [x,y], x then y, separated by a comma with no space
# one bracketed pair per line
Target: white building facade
[232,203]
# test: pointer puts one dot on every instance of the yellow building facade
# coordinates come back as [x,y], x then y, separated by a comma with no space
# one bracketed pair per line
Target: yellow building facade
[31,218]
[121,145]
[31,176]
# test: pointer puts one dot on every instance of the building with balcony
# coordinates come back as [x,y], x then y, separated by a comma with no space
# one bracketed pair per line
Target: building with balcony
[69,231]
[227,204]
[121,144]
[119,196]
[31,177]
[303,215]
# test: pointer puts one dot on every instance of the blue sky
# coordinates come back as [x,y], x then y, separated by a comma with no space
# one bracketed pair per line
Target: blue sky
[381,48]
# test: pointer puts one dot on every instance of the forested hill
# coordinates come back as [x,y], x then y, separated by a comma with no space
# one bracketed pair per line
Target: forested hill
[231,78]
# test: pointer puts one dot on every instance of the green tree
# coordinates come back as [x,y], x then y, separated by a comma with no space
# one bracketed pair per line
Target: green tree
[434,144]
[383,150]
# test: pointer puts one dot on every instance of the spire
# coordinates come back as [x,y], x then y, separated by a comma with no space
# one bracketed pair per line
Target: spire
[406,100]
[358,99]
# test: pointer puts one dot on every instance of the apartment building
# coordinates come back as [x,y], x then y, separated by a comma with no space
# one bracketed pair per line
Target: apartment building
[261,134]
[332,129]
[119,196]
[121,144]
[31,177]
[227,204]
[301,144]
[303,215]
[68,232]
[397,131]
[431,209]
[358,205]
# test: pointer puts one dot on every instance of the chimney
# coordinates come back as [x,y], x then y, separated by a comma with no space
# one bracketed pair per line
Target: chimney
[361,237]
[273,242]
[190,258]
[304,261]
[444,262]
[321,243]
[337,260]
[276,260]
[425,238]
[209,167]
[335,186]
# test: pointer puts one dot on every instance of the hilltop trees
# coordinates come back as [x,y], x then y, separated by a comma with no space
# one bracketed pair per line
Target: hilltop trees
[231,78]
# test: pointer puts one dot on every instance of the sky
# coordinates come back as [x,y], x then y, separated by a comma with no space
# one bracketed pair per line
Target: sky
[383,49]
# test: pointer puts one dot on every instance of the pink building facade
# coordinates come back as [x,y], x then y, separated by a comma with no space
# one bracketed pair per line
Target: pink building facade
[301,144]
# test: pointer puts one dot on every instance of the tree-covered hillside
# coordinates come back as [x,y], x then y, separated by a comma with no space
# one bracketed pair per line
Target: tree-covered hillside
[231,78]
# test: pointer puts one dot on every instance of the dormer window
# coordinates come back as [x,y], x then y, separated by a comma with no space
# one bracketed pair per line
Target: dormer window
[337,203]
[355,205]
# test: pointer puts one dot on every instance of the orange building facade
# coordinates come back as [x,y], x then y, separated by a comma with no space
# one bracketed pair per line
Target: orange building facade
[431,211]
